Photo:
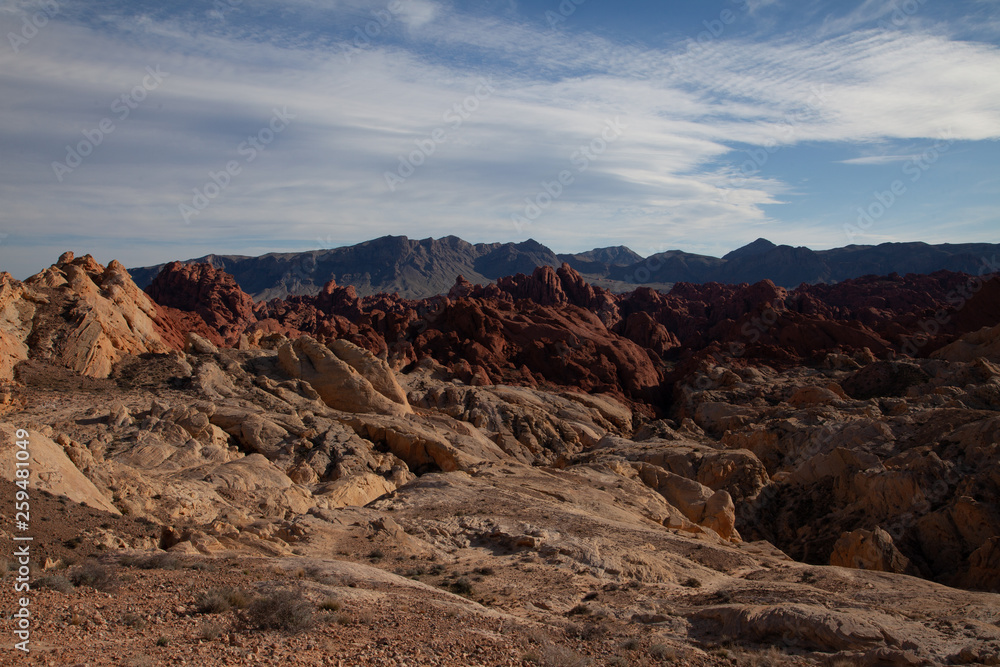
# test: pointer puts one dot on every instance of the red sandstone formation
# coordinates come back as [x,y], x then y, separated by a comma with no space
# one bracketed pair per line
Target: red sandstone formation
[209,292]
[553,327]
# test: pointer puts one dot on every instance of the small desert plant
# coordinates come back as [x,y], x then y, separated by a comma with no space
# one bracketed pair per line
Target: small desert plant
[134,621]
[631,644]
[691,582]
[54,582]
[592,631]
[211,602]
[159,561]
[209,631]
[663,652]
[286,610]
[376,554]
[462,586]
[485,571]
[220,600]
[95,575]
[580,609]
[330,604]
[554,655]
[162,641]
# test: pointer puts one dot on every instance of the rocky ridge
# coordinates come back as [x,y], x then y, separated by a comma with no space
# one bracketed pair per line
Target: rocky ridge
[607,478]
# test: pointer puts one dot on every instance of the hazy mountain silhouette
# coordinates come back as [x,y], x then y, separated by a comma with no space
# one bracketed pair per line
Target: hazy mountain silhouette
[421,268]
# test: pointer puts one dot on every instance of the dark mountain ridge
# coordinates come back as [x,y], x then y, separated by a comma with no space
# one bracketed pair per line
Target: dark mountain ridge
[427,267]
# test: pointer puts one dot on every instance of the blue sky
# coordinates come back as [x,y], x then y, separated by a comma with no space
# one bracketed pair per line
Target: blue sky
[146,131]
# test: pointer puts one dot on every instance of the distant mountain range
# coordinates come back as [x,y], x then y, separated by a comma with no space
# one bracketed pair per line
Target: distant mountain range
[422,268]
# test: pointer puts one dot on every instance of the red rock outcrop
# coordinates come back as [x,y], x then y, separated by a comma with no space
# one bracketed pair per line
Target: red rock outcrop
[553,327]
[209,292]
[78,315]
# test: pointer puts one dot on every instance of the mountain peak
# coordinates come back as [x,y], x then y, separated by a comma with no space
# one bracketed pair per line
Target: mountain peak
[758,247]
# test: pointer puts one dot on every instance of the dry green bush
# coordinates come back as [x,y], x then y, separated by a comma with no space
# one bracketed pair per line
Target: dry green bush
[54,582]
[93,574]
[287,610]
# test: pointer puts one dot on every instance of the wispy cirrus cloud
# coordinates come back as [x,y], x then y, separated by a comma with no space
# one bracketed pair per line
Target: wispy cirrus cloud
[879,159]
[689,111]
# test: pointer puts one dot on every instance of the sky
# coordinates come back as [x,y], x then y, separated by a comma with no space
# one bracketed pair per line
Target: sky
[148,131]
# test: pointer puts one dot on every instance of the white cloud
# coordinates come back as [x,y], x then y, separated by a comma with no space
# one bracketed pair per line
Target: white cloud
[323,178]
[879,159]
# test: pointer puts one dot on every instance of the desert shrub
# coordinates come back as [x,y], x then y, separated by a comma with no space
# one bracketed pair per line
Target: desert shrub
[462,586]
[663,652]
[159,561]
[237,598]
[631,644]
[134,621]
[209,631]
[93,574]
[691,582]
[554,655]
[162,641]
[211,602]
[773,657]
[593,631]
[54,582]
[580,609]
[330,604]
[286,610]
[220,600]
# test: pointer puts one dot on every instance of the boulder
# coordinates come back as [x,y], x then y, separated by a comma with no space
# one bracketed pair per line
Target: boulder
[869,550]
[50,468]
[338,383]
[884,378]
[83,316]
[983,343]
